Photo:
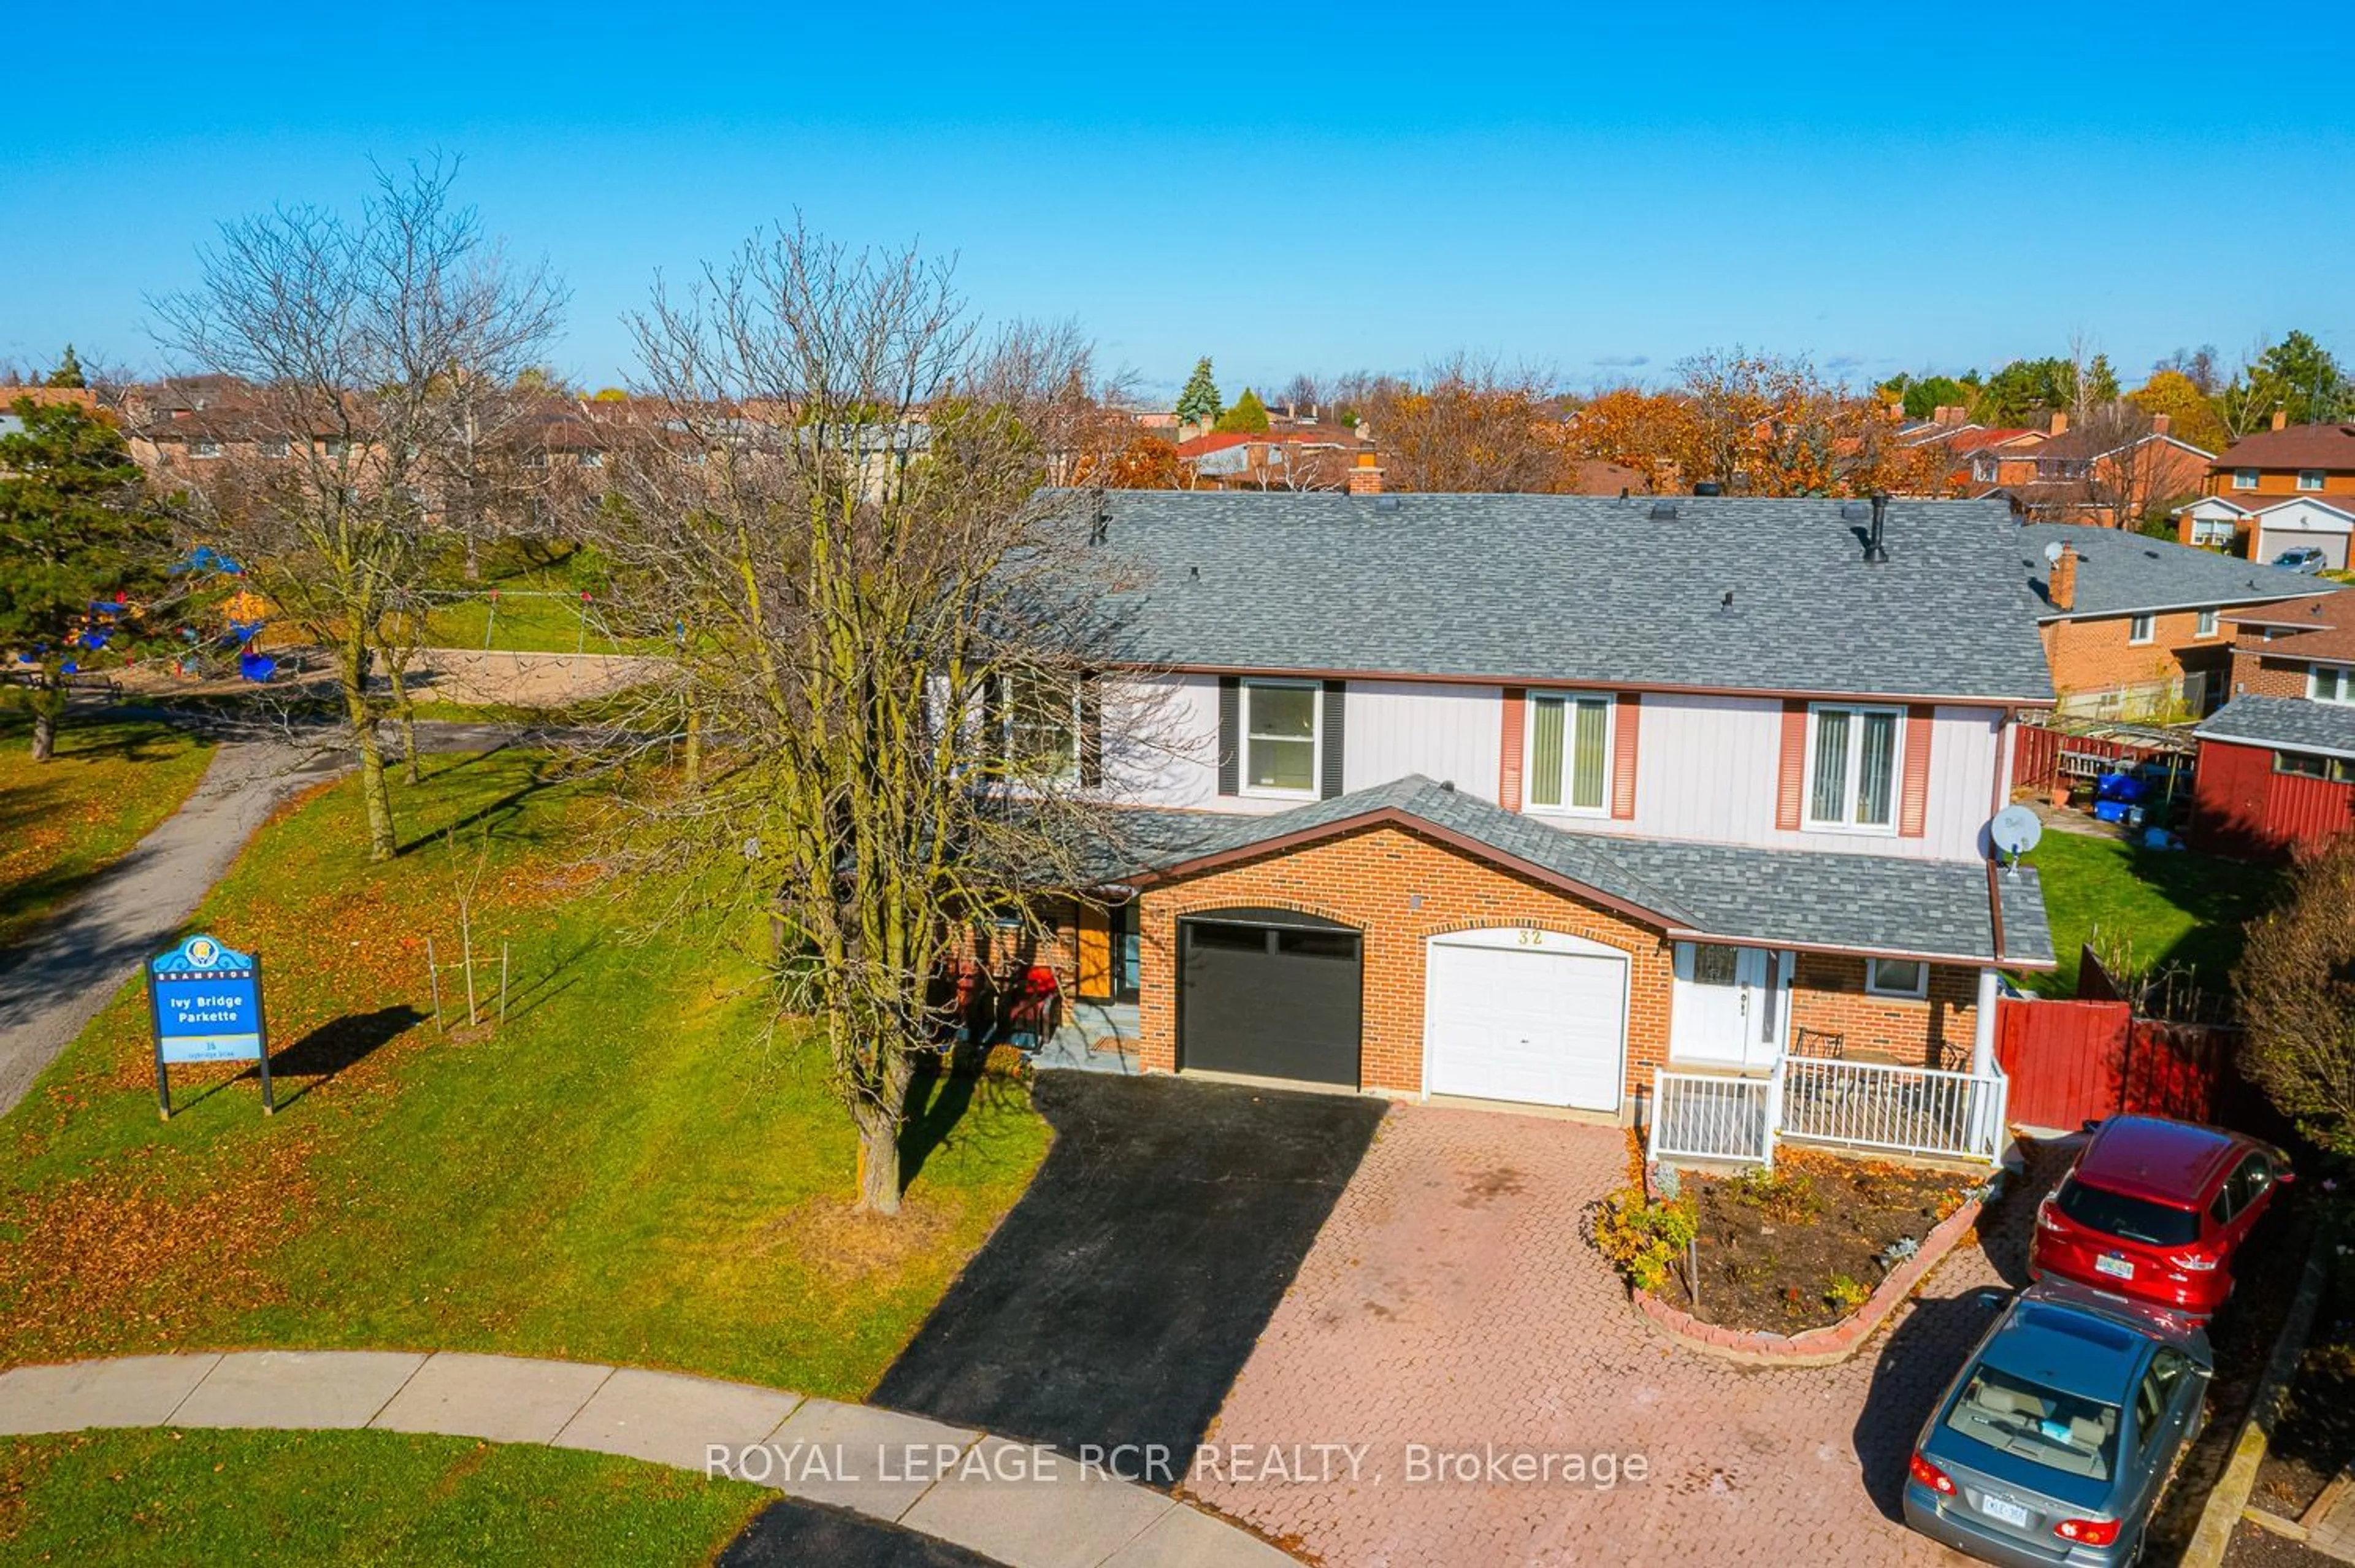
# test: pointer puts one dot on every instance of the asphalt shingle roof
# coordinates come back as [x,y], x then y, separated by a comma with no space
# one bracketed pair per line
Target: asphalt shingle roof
[1583,590]
[2120,573]
[2291,722]
[1855,902]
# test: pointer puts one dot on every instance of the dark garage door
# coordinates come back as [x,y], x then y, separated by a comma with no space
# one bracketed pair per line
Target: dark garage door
[1270,993]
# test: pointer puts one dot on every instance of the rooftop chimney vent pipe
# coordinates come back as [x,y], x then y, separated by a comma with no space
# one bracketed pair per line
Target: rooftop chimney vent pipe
[1874,552]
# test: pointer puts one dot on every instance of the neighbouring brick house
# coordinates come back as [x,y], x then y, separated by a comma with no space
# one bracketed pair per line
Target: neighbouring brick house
[1517,798]
[2106,475]
[2278,763]
[2137,627]
[2289,487]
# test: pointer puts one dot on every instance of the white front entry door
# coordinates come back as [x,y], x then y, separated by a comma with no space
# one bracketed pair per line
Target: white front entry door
[1729,1006]
[1530,1016]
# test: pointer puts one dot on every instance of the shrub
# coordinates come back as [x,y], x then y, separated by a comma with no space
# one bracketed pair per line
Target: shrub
[1782,1197]
[1844,1294]
[1643,1239]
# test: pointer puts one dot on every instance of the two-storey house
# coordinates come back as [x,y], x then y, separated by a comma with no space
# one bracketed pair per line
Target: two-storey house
[2288,487]
[1520,798]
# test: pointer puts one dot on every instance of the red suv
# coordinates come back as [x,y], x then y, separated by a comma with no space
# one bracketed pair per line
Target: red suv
[2155,1210]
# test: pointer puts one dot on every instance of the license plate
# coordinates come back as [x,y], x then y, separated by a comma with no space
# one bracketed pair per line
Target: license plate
[2009,1512]
[2117,1268]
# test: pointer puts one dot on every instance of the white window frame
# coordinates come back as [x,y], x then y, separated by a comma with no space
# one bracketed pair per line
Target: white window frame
[275,447]
[1244,737]
[2339,678]
[1570,700]
[2212,530]
[2309,478]
[2209,624]
[1807,817]
[2141,630]
[2245,478]
[203,450]
[1075,735]
[1914,993]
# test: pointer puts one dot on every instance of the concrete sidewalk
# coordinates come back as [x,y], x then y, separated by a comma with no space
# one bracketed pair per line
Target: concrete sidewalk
[56,980]
[1023,1506]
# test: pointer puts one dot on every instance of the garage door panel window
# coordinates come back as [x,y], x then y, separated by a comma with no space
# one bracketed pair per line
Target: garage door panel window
[1568,766]
[1280,739]
[1852,768]
[1333,945]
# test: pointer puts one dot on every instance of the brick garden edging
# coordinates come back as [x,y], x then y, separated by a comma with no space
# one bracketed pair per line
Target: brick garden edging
[1833,1342]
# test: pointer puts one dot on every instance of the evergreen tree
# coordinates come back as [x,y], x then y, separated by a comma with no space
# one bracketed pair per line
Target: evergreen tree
[1248,414]
[2301,376]
[1199,403]
[73,535]
[68,372]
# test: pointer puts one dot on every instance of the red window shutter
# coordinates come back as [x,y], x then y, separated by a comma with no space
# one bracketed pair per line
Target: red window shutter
[1791,787]
[1625,715]
[1508,775]
[1913,787]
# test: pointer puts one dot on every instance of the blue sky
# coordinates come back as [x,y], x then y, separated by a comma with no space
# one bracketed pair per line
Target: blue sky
[1304,188]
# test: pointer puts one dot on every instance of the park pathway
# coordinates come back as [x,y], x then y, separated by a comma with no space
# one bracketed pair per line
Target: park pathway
[55,981]
[1016,1504]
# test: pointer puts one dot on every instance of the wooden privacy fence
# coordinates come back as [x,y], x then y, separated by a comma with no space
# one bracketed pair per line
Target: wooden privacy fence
[2040,757]
[2073,1061]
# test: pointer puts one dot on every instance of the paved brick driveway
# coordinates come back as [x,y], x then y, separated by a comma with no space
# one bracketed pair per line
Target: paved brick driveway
[1450,1302]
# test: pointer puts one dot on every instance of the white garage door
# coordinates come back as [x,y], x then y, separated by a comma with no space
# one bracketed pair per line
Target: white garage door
[1525,1015]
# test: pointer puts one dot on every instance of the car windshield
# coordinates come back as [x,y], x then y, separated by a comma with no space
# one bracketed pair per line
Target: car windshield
[2135,1219]
[2042,1425]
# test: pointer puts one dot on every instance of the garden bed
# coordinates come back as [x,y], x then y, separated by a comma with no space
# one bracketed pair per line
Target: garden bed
[1805,1245]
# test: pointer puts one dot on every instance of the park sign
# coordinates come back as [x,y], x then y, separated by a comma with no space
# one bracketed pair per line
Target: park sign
[205,1000]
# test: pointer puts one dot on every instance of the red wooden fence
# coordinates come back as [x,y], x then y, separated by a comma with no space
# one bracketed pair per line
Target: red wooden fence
[2073,1061]
[2036,754]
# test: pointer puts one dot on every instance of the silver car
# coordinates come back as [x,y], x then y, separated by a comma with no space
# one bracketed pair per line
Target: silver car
[2055,1440]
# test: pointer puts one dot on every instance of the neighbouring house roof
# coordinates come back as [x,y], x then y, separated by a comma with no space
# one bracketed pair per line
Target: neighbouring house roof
[2291,723]
[1581,590]
[2293,446]
[1850,903]
[1292,435]
[2124,573]
[2321,628]
[2337,503]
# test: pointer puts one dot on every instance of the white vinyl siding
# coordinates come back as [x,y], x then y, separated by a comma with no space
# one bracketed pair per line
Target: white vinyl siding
[1852,766]
[1569,753]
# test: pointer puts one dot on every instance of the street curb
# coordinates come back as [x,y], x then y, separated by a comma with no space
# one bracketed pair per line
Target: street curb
[2222,1514]
[1832,1343]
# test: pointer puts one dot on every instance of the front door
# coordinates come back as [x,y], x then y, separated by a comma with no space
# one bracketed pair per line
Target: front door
[1728,1005]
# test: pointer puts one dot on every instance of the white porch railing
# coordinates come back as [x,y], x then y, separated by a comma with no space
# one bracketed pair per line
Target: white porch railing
[1710,1115]
[1905,1110]
[1858,1104]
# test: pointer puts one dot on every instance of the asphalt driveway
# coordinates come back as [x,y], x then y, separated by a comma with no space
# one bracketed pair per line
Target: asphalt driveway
[1117,1301]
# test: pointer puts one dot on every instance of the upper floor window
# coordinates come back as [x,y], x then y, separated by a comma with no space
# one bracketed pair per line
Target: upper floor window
[2331,683]
[2307,765]
[273,446]
[2245,478]
[2309,478]
[1852,767]
[2142,628]
[333,445]
[1282,729]
[1568,764]
[1042,724]
[204,449]
[2207,626]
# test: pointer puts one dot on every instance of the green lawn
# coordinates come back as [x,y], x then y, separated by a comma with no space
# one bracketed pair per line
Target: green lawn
[2174,907]
[64,821]
[625,1172]
[151,1497]
[535,614]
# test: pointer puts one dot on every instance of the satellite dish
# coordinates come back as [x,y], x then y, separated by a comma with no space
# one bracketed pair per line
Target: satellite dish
[2052,551]
[2014,830]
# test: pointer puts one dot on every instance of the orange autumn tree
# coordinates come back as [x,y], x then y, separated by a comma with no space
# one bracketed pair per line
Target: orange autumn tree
[1470,426]
[1146,462]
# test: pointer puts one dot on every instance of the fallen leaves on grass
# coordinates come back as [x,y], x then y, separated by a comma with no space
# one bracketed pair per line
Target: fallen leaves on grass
[845,1245]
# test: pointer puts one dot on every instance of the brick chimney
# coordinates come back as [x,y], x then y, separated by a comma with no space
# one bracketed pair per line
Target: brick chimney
[2060,422]
[1366,478]
[2281,419]
[2162,423]
[2063,588]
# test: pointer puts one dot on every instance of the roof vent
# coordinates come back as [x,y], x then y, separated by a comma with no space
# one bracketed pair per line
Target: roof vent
[1386,503]
[1708,487]
[1855,511]
[1663,511]
[1726,603]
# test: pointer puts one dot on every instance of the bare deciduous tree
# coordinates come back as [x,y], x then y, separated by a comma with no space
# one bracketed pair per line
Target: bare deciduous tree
[890,679]
[345,351]
[1470,426]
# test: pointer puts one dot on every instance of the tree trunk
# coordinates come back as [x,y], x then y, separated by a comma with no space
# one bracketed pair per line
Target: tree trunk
[45,732]
[382,844]
[879,1163]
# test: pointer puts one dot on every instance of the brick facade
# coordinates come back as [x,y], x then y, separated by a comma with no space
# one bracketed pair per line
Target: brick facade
[1827,993]
[1399,889]
[2256,673]
[2097,655]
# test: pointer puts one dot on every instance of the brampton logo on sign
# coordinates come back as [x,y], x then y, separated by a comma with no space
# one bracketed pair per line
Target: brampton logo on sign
[205,1001]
